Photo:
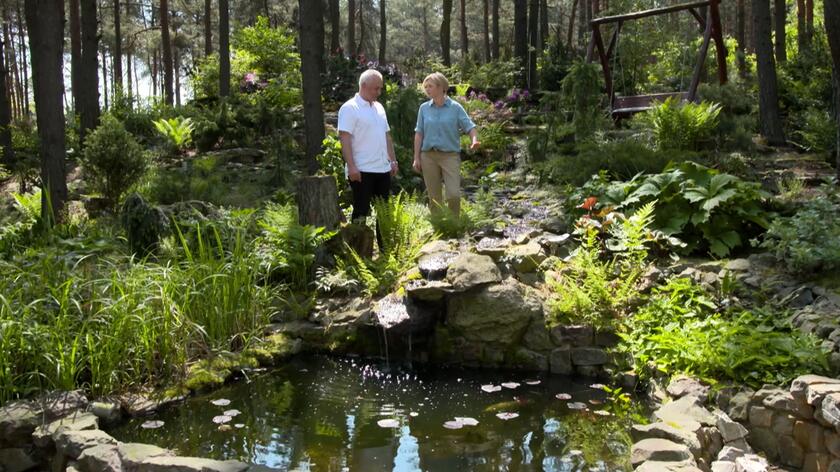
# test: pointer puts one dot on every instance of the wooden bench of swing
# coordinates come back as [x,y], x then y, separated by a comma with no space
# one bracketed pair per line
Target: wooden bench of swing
[626,106]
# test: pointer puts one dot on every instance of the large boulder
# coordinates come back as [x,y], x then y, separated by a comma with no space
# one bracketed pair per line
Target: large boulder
[470,270]
[43,435]
[16,460]
[658,450]
[526,257]
[495,313]
[72,443]
[191,464]
[17,422]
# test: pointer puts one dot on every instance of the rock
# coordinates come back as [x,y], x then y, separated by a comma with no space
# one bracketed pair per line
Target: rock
[133,454]
[537,336]
[525,258]
[730,430]
[588,356]
[672,432]
[830,409]
[470,270]
[730,453]
[764,440]
[658,450]
[662,466]
[739,405]
[573,335]
[724,466]
[240,155]
[761,417]
[606,338]
[815,462]
[191,464]
[493,247]
[495,313]
[141,405]
[438,245]
[831,444]
[751,463]
[781,400]
[560,361]
[790,453]
[100,458]
[434,266]
[554,224]
[682,386]
[814,394]
[108,412]
[427,290]
[16,460]
[17,422]
[58,404]
[305,330]
[530,360]
[689,407]
[43,435]
[555,244]
[72,443]
[738,265]
[783,424]
[810,436]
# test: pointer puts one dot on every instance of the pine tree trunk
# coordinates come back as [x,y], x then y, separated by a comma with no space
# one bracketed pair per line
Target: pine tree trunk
[741,38]
[486,31]
[75,53]
[128,75]
[351,27]
[166,46]
[89,71]
[45,21]
[533,43]
[176,60]
[317,201]
[335,26]
[104,63]
[465,39]
[383,37]
[768,99]
[544,33]
[445,30]
[571,33]
[801,26]
[8,157]
[496,38]
[831,20]
[520,38]
[779,21]
[117,68]
[361,47]
[311,56]
[224,48]
[427,37]
[809,20]
[208,28]
[24,66]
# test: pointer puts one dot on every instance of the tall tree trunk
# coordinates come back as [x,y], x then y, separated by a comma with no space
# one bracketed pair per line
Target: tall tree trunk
[543,25]
[16,85]
[445,30]
[831,20]
[583,21]
[486,32]
[809,20]
[118,70]
[351,27]
[571,33]
[89,77]
[176,61]
[8,157]
[533,43]
[520,38]
[311,54]
[361,48]
[128,75]
[104,63]
[768,99]
[224,48]
[427,39]
[208,28]
[335,26]
[383,37]
[741,38]
[497,40]
[465,39]
[75,53]
[166,46]
[24,66]
[779,21]
[801,26]
[45,21]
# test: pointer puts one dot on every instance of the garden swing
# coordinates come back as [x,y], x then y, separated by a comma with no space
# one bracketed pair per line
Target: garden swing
[626,106]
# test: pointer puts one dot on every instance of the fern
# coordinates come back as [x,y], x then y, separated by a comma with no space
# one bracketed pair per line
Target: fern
[678,125]
[177,131]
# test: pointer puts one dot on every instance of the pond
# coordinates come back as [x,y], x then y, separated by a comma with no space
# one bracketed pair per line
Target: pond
[336,414]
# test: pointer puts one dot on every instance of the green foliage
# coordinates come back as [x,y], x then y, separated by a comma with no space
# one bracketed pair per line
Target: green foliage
[271,52]
[737,118]
[495,142]
[144,225]
[113,161]
[588,289]
[472,217]
[678,125]
[818,130]
[27,165]
[176,131]
[709,210]
[808,241]
[401,104]
[288,248]
[681,330]
[555,64]
[582,94]
[331,162]
[497,74]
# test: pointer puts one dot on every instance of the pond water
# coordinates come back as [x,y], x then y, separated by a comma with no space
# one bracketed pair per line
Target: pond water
[337,414]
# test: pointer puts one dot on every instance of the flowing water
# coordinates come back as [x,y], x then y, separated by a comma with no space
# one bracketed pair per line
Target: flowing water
[337,414]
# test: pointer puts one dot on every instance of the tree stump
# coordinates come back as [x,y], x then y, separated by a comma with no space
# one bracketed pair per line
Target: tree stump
[317,201]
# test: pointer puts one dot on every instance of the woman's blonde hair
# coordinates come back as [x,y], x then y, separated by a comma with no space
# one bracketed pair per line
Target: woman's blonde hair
[438,79]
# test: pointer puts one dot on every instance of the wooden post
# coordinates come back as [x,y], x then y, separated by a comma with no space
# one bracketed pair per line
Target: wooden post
[317,201]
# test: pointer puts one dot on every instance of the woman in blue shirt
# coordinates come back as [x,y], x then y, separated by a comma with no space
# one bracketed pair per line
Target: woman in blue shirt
[437,143]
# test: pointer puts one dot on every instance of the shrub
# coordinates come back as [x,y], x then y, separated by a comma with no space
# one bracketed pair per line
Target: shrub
[582,94]
[678,125]
[401,104]
[737,119]
[176,131]
[494,75]
[818,130]
[113,161]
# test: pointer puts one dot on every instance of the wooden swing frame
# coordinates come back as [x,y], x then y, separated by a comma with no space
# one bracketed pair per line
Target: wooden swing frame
[623,107]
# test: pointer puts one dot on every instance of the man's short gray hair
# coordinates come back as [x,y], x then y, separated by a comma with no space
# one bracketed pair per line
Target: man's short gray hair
[368,75]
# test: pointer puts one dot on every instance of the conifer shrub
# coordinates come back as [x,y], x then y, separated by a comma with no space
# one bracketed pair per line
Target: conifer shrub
[113,161]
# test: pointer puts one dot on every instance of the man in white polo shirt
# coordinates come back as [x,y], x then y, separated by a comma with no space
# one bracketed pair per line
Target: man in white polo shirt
[366,145]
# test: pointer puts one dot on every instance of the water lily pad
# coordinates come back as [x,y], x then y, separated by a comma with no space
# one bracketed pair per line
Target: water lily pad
[563,396]
[220,402]
[510,385]
[224,427]
[597,386]
[232,413]
[576,406]
[595,401]
[414,414]
[507,415]
[491,388]
[602,412]
[239,425]
[389,423]
[467,421]
[221,419]
[453,424]
[152,424]
[533,382]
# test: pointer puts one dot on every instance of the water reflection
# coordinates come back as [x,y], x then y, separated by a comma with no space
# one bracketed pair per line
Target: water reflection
[326,414]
